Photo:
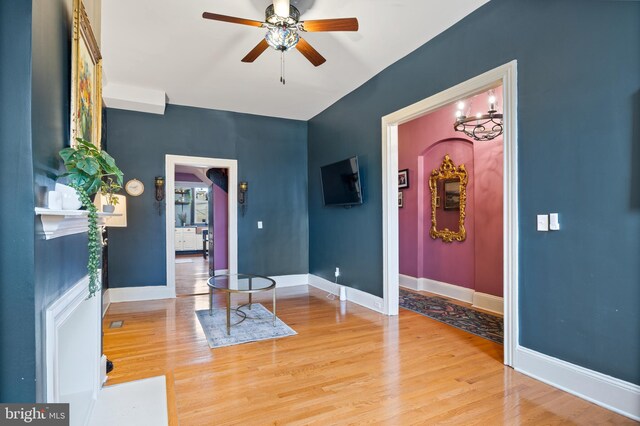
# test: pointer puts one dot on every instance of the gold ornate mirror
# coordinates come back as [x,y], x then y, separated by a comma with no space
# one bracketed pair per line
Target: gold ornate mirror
[448,186]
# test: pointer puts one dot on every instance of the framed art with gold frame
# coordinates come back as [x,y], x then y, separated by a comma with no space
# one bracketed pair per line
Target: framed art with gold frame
[86,80]
[453,181]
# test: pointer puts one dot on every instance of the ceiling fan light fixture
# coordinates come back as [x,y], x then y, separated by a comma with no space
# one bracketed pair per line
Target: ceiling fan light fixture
[289,20]
[282,38]
[281,7]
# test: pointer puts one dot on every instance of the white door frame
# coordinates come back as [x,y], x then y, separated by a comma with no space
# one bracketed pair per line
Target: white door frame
[170,183]
[507,76]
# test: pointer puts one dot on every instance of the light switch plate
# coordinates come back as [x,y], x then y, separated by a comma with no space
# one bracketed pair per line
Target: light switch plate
[543,222]
[259,224]
[554,224]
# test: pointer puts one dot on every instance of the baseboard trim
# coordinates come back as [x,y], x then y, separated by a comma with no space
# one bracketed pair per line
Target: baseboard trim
[106,301]
[479,300]
[408,281]
[290,280]
[613,394]
[488,302]
[354,295]
[103,370]
[135,294]
[449,290]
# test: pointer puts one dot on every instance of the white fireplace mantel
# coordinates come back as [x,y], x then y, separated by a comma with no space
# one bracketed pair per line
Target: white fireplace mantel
[58,223]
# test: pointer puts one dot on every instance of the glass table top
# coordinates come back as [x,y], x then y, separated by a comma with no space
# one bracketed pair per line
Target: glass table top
[241,283]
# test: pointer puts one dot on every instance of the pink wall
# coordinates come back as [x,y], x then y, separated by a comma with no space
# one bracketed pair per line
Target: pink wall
[475,263]
[220,230]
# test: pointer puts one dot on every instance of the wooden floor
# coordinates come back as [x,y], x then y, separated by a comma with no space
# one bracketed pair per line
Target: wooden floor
[191,277]
[346,365]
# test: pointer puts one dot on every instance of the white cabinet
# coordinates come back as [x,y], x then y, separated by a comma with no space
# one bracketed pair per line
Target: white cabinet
[187,239]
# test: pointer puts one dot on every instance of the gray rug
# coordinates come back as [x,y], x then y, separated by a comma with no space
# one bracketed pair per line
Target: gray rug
[257,326]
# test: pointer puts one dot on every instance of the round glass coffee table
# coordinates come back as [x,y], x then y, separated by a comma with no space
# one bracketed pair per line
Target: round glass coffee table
[244,284]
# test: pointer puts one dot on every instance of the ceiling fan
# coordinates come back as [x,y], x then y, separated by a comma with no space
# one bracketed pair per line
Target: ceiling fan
[282,20]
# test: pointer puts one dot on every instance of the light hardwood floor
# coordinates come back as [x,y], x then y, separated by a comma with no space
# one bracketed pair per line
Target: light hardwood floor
[346,365]
[191,277]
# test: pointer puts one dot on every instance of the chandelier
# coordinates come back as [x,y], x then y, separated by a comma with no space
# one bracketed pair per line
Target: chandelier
[481,127]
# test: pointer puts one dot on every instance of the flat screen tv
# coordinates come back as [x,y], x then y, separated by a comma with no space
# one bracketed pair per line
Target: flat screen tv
[341,183]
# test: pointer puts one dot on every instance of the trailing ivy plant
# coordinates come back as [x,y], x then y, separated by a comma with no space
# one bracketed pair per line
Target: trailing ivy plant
[87,169]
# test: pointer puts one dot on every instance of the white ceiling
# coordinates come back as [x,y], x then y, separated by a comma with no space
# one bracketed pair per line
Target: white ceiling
[167,47]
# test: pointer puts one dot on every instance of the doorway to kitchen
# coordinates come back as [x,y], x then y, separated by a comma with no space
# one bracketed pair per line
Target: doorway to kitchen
[201,221]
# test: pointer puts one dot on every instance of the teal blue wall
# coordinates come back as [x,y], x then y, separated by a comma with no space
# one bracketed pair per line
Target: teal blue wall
[579,155]
[34,125]
[272,158]
[17,343]
[61,262]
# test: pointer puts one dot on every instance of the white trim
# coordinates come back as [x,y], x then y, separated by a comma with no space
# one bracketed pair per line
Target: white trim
[445,289]
[354,295]
[290,280]
[60,223]
[134,294]
[505,75]
[106,301]
[613,394]
[488,302]
[408,281]
[88,343]
[134,98]
[170,166]
[103,370]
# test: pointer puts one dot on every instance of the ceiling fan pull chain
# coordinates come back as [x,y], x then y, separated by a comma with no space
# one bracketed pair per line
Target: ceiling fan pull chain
[282,67]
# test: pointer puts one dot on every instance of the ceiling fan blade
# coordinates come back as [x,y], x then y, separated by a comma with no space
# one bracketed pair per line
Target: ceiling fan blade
[231,19]
[340,24]
[256,51]
[310,53]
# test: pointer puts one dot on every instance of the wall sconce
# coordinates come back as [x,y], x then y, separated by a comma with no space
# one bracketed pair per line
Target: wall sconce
[159,188]
[243,187]
[160,194]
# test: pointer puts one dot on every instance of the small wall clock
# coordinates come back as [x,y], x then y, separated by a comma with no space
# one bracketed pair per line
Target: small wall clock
[134,187]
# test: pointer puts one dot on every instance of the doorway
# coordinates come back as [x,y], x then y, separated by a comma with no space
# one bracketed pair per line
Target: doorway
[450,219]
[201,227]
[506,76]
[190,215]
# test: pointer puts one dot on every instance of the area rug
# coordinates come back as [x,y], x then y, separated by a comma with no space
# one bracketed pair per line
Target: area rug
[257,326]
[479,323]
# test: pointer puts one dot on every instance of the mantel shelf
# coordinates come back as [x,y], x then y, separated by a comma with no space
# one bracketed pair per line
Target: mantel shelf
[58,223]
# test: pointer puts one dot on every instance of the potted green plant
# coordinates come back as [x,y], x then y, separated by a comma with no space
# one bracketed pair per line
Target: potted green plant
[87,167]
[108,189]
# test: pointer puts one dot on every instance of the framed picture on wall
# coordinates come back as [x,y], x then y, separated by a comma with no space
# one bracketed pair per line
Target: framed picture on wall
[400,199]
[403,178]
[86,80]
